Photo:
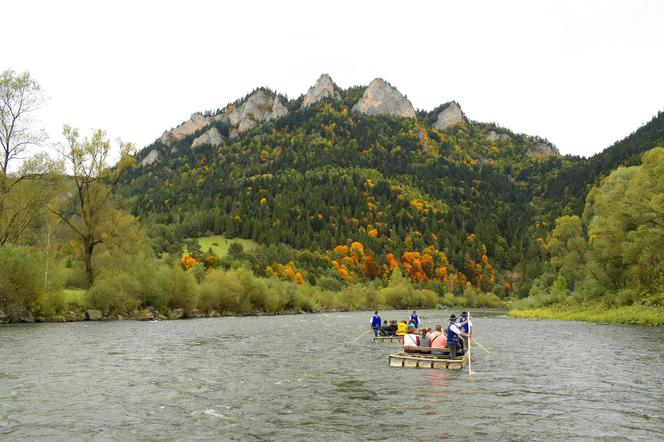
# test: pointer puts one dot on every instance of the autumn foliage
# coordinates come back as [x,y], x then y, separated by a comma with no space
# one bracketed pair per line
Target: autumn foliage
[188,262]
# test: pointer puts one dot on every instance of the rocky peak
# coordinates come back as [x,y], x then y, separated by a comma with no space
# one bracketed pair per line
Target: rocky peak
[382,98]
[150,158]
[212,137]
[492,135]
[323,88]
[259,106]
[543,149]
[196,122]
[449,116]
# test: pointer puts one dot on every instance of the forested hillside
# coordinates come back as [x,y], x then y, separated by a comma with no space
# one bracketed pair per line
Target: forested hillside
[345,199]
[360,193]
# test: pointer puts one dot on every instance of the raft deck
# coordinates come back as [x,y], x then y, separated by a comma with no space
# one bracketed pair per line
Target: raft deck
[415,360]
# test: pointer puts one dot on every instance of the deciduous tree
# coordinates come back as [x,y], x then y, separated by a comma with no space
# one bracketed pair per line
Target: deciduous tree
[89,210]
[20,96]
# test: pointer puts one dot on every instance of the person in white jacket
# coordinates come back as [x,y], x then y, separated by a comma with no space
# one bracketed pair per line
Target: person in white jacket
[409,340]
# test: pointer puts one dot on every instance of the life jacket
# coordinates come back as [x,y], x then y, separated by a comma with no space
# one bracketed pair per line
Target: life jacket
[402,329]
[452,338]
[375,321]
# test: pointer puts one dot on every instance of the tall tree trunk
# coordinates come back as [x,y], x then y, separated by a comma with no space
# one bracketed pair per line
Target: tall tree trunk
[89,248]
[48,243]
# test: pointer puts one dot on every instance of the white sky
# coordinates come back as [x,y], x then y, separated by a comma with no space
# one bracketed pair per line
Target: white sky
[581,73]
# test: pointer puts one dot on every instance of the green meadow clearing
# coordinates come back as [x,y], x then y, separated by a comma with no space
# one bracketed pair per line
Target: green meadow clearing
[219,243]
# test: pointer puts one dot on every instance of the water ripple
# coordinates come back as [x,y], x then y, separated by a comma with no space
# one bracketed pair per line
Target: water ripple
[303,377]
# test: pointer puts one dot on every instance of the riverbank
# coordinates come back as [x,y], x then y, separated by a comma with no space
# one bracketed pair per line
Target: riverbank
[78,313]
[633,314]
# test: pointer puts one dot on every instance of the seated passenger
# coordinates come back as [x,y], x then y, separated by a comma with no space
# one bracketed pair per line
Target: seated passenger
[402,328]
[392,328]
[383,331]
[424,340]
[410,341]
[438,341]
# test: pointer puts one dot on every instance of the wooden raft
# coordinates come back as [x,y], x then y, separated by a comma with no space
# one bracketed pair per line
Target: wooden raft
[415,360]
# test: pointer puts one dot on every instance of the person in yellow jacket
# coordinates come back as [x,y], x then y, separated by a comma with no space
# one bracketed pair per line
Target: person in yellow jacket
[402,328]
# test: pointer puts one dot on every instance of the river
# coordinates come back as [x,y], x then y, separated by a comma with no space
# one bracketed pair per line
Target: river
[301,377]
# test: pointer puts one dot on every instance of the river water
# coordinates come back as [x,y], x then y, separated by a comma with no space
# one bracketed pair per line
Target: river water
[302,377]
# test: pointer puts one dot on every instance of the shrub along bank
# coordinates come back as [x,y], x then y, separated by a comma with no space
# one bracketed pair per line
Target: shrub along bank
[155,290]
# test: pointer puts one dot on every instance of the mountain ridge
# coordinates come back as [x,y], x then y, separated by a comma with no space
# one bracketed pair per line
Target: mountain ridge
[320,176]
[380,97]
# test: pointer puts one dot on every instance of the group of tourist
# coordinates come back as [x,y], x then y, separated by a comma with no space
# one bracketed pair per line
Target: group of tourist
[392,328]
[416,339]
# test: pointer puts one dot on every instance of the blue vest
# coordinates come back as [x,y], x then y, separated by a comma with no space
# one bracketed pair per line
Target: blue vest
[452,337]
[465,327]
[375,321]
[415,319]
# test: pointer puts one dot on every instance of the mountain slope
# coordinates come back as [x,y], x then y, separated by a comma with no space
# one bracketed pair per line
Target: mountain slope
[318,176]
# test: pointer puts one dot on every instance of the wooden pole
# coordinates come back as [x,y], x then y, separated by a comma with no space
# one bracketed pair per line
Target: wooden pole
[365,332]
[481,346]
[469,359]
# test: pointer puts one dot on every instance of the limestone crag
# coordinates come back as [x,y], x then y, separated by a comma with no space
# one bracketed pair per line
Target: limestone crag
[150,158]
[212,137]
[323,88]
[449,116]
[543,149]
[196,122]
[381,98]
[258,107]
[492,135]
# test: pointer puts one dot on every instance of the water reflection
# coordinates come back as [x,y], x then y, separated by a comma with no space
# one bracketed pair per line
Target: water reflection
[437,381]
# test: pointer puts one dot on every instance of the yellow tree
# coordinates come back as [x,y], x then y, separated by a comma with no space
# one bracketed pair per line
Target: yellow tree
[88,210]
[24,196]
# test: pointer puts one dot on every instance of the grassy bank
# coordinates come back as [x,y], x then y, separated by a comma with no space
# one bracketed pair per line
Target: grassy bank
[633,314]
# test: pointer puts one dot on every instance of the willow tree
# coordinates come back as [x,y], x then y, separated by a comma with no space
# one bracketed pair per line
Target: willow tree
[88,210]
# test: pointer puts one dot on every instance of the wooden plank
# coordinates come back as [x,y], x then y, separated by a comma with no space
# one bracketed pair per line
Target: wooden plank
[425,363]
[396,362]
[439,364]
[391,339]
[409,362]
[424,349]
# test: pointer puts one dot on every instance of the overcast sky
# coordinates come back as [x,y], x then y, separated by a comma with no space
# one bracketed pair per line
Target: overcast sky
[581,73]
